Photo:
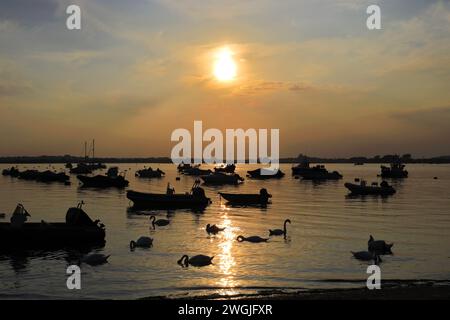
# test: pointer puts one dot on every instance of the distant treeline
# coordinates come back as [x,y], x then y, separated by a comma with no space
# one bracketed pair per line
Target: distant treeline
[407,158]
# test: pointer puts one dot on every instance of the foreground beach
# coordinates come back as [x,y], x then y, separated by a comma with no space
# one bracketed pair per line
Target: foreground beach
[401,290]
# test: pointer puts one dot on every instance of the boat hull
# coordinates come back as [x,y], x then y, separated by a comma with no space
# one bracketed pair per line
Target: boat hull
[143,200]
[356,189]
[103,181]
[51,235]
[245,198]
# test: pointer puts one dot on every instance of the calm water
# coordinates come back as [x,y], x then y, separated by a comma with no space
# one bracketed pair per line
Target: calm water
[326,226]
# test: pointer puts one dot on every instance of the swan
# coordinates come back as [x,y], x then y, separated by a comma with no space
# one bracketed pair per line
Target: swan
[279,232]
[159,222]
[196,261]
[142,242]
[213,229]
[95,259]
[253,239]
[366,256]
[379,246]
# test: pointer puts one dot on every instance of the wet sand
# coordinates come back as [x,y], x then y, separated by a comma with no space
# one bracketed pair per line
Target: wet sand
[439,290]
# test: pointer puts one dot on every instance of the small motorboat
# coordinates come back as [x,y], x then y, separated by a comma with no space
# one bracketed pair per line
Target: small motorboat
[149,173]
[384,189]
[220,178]
[247,199]
[229,168]
[301,167]
[319,172]
[30,174]
[186,166]
[112,179]
[196,198]
[77,231]
[264,174]
[196,171]
[396,170]
[12,172]
[50,176]
[81,168]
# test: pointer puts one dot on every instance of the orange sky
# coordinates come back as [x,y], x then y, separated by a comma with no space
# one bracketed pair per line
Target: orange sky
[135,73]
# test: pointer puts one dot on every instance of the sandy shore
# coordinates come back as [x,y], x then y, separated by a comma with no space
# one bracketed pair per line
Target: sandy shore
[405,291]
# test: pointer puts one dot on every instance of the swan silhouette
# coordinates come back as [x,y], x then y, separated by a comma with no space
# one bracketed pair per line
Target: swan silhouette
[379,246]
[280,232]
[253,239]
[95,259]
[367,256]
[159,222]
[213,229]
[142,242]
[196,261]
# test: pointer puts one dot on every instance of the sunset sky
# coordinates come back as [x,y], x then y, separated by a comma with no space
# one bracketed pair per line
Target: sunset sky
[137,70]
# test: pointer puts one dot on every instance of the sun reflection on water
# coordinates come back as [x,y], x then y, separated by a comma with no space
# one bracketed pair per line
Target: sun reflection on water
[226,259]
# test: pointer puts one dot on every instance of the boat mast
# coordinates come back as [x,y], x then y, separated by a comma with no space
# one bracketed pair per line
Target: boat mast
[93,150]
[85,150]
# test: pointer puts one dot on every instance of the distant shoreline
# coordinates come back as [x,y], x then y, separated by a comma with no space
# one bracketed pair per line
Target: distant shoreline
[73,159]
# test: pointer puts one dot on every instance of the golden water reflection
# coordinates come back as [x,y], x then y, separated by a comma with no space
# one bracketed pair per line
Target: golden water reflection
[226,259]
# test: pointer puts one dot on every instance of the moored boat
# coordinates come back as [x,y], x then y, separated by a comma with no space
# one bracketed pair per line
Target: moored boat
[149,173]
[222,178]
[81,168]
[264,174]
[247,199]
[13,172]
[319,172]
[77,231]
[112,179]
[229,168]
[384,189]
[301,167]
[396,170]
[196,198]
[196,171]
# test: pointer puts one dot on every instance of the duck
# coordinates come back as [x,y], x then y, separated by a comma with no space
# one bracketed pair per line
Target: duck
[279,232]
[95,259]
[196,261]
[142,242]
[367,256]
[379,246]
[213,229]
[253,239]
[159,222]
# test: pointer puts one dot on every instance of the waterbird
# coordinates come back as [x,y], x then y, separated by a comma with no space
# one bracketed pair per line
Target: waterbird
[142,242]
[196,261]
[280,232]
[213,229]
[366,256]
[2,215]
[95,259]
[159,222]
[379,246]
[253,239]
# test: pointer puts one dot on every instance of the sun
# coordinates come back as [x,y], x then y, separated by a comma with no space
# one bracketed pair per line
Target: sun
[225,68]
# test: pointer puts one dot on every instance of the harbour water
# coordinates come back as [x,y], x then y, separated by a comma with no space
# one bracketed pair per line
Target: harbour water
[326,226]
